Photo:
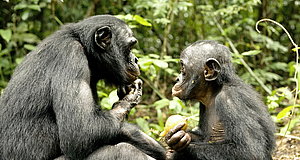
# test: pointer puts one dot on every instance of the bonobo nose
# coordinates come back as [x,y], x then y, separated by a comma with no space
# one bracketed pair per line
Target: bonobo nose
[179,78]
[132,40]
[136,60]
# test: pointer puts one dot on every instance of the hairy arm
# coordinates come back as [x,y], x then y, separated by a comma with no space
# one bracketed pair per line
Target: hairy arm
[132,135]
[82,126]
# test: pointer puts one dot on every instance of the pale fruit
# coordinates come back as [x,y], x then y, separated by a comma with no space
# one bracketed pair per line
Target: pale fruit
[172,121]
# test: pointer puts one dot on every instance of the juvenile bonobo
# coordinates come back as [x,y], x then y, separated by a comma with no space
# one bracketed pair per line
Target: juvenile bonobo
[49,108]
[234,122]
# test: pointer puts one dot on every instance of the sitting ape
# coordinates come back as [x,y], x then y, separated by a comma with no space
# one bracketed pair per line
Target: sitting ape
[49,110]
[234,122]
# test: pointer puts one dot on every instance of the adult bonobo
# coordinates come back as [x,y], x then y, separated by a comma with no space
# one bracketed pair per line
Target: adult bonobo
[49,109]
[234,122]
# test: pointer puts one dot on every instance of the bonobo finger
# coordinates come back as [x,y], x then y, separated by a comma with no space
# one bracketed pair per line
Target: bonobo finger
[138,88]
[131,89]
[175,138]
[121,92]
[138,83]
[170,154]
[183,143]
[174,130]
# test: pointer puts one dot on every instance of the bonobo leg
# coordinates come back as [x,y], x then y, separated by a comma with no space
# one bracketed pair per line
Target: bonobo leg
[120,151]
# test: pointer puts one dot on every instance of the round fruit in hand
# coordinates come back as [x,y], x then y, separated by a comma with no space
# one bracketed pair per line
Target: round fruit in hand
[173,121]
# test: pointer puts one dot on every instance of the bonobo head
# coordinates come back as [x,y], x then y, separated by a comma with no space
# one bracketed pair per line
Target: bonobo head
[108,42]
[205,67]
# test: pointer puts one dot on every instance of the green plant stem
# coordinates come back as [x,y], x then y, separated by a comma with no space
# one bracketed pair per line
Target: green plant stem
[152,87]
[167,30]
[288,136]
[164,48]
[241,59]
[53,13]
[57,20]
[296,76]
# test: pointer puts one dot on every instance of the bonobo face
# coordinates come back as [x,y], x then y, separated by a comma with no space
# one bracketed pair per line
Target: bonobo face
[114,42]
[186,80]
[198,72]
[181,82]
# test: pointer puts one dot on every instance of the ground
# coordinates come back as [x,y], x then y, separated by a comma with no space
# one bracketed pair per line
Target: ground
[288,148]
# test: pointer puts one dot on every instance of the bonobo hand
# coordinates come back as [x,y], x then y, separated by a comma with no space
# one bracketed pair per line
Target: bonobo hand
[130,96]
[131,93]
[169,154]
[178,139]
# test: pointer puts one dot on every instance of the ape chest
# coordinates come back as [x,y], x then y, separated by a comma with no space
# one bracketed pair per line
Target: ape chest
[217,133]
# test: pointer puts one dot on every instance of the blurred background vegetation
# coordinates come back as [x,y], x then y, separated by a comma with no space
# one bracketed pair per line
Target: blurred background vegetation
[164,28]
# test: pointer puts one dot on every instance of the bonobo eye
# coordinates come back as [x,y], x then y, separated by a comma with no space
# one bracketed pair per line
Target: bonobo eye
[103,37]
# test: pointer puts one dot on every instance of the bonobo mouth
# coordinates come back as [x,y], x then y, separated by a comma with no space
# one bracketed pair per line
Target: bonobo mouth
[132,76]
[176,91]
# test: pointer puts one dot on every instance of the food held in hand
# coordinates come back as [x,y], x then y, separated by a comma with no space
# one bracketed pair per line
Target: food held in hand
[173,121]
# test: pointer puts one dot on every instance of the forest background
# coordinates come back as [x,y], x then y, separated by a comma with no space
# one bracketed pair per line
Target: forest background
[266,60]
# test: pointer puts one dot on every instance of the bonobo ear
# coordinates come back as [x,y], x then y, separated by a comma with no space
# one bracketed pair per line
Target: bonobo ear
[103,37]
[212,69]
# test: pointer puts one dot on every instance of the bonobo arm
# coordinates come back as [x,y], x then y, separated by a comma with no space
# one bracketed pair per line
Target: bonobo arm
[190,145]
[132,135]
[204,150]
[82,128]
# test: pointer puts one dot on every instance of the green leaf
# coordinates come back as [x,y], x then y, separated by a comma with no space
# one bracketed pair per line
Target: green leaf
[143,124]
[29,47]
[161,103]
[160,63]
[20,6]
[102,94]
[176,105]
[145,63]
[107,102]
[6,34]
[142,21]
[34,7]
[19,60]
[25,15]
[285,112]
[273,105]
[289,126]
[31,6]
[251,53]
[295,49]
[154,56]
[28,37]
[113,97]
[4,62]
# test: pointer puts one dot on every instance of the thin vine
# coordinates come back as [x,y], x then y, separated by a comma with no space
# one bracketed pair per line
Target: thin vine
[241,59]
[296,68]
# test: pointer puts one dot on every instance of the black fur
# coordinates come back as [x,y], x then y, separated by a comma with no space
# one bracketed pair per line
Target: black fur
[49,109]
[249,130]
